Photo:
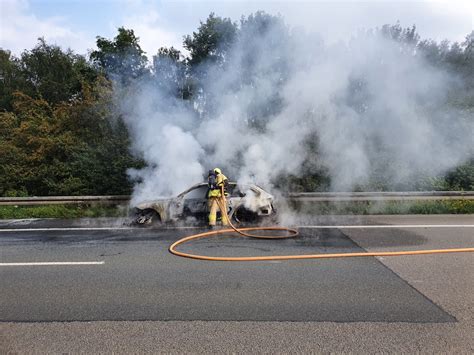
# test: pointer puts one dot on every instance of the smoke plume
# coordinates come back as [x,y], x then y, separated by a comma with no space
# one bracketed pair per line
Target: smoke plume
[370,108]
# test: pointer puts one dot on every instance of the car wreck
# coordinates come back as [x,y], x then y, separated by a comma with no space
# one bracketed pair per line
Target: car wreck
[245,203]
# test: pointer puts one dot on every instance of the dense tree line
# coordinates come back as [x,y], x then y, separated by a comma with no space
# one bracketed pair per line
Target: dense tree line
[60,133]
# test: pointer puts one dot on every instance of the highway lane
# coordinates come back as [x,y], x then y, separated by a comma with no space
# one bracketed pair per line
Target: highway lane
[140,280]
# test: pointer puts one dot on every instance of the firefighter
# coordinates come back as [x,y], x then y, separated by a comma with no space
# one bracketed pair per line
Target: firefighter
[217,194]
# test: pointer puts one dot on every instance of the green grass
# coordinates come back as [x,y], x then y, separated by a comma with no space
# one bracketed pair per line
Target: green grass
[461,206]
[60,211]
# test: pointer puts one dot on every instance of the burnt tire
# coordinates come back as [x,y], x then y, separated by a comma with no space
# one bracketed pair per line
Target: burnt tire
[147,218]
[244,215]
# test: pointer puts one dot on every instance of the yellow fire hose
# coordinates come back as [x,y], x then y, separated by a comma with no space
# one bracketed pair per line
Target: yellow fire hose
[291,233]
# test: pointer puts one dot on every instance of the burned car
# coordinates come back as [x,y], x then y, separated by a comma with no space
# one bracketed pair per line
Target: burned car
[245,203]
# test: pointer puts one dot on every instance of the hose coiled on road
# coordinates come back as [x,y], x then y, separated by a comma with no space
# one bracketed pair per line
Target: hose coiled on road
[290,233]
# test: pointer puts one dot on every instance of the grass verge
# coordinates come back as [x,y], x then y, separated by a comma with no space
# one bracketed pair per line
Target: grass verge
[61,211]
[461,206]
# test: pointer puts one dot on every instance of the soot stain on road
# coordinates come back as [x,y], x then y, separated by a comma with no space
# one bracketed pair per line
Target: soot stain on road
[388,238]
[309,241]
[324,238]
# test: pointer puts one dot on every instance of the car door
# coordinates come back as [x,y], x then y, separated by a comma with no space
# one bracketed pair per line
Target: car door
[195,201]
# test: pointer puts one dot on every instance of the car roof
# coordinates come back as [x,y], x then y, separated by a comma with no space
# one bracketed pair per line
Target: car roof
[251,186]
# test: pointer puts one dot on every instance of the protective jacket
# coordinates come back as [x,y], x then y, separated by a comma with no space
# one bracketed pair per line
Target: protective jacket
[221,182]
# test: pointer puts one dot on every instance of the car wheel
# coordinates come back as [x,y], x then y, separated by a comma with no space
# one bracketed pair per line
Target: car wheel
[243,215]
[147,217]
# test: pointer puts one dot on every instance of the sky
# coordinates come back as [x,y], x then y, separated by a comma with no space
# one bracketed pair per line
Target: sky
[75,24]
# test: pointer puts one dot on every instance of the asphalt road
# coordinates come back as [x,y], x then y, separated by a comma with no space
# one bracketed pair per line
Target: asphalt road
[138,287]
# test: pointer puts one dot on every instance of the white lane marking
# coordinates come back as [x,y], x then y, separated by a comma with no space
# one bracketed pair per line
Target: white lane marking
[391,226]
[87,229]
[54,263]
[357,226]
[62,229]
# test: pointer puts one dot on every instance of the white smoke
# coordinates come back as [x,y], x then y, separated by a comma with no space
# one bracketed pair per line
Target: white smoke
[372,106]
[159,128]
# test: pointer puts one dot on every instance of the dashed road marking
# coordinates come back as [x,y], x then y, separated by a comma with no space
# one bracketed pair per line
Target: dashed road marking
[54,263]
[63,229]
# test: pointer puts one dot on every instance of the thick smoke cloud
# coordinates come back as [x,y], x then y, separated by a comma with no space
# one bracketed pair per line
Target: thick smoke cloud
[371,107]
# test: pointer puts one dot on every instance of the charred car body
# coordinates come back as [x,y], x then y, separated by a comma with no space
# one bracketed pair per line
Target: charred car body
[245,203]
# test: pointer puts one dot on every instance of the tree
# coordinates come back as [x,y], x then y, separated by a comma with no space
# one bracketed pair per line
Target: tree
[60,133]
[468,52]
[100,161]
[121,58]
[211,42]
[34,149]
[169,71]
[462,177]
[263,52]
[408,38]
[10,78]
[77,149]
[45,72]
[53,74]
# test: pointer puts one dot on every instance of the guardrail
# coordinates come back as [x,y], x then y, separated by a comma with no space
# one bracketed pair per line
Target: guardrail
[380,196]
[64,200]
[301,197]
